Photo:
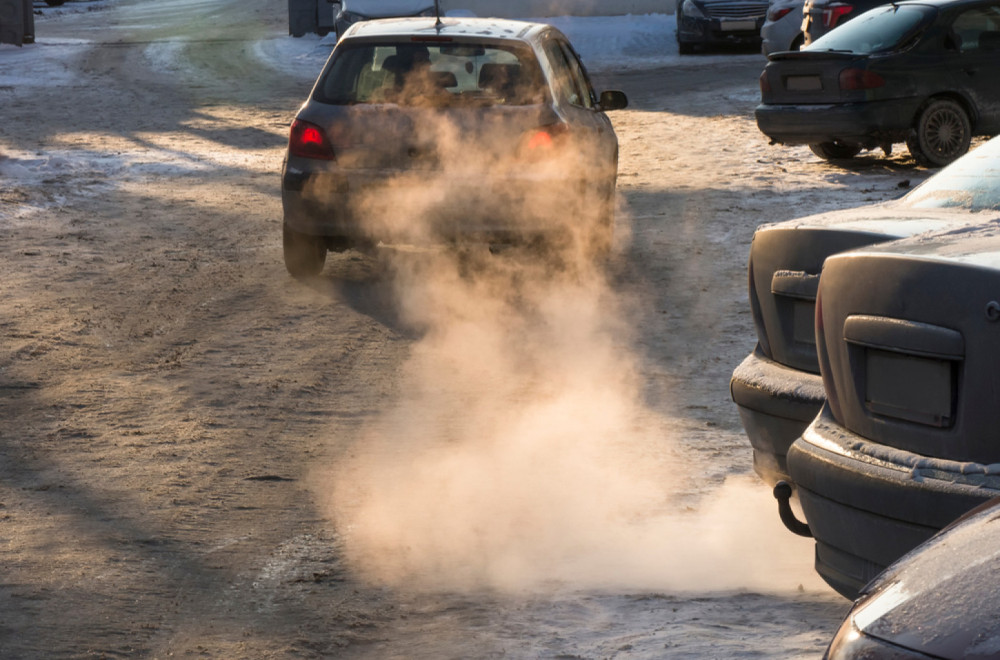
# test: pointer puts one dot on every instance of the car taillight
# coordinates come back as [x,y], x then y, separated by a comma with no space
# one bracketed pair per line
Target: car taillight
[755,311]
[543,141]
[765,84]
[860,79]
[823,353]
[308,140]
[833,14]
[776,14]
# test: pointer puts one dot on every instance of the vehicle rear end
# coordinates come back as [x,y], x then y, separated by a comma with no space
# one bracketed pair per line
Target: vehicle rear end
[430,135]
[777,388]
[846,88]
[907,440]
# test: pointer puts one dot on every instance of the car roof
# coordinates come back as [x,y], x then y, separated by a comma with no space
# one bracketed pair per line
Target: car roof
[480,28]
[940,4]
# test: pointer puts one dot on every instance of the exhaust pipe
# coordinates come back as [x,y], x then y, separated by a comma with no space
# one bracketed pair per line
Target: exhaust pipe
[783,493]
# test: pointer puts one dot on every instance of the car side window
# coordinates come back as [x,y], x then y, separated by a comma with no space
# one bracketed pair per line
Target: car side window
[588,98]
[565,82]
[978,30]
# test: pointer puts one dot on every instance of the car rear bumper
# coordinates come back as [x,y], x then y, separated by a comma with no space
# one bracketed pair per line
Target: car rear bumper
[712,31]
[419,207]
[867,504]
[871,122]
[776,403]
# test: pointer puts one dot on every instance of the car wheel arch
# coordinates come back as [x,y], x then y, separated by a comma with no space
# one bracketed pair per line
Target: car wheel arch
[916,141]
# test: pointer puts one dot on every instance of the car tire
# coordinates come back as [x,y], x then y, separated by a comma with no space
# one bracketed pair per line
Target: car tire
[305,255]
[685,48]
[54,3]
[941,133]
[835,150]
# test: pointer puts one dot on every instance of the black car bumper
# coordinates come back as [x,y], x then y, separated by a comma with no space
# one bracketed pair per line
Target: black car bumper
[776,403]
[868,505]
[717,32]
[866,123]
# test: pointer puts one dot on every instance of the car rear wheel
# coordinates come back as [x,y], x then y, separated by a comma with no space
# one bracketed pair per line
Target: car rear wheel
[835,150]
[942,133]
[304,255]
[54,3]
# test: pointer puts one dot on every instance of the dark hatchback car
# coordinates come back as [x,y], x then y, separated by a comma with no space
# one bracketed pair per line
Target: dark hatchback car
[939,601]
[715,23]
[777,388]
[419,131]
[923,72]
[907,441]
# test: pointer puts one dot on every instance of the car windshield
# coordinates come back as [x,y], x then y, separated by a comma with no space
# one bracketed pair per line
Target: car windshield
[884,28]
[971,182]
[429,73]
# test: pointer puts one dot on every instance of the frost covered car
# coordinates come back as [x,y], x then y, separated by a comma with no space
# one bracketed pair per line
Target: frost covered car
[939,601]
[467,129]
[353,11]
[923,72]
[906,442]
[782,29]
[777,388]
[707,23]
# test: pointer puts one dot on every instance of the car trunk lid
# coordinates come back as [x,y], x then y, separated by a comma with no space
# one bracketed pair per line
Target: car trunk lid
[909,351]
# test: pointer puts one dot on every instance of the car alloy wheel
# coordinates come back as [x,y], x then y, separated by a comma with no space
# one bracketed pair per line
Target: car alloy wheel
[942,133]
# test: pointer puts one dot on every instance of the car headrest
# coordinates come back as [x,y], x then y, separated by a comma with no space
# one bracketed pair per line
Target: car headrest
[499,75]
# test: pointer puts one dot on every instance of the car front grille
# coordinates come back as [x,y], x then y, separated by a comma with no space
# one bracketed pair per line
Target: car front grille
[737,10]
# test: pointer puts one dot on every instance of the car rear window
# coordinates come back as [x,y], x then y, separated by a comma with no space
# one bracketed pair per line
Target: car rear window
[881,29]
[971,182]
[417,73]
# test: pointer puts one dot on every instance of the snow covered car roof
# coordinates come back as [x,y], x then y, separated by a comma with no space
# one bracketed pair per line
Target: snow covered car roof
[483,28]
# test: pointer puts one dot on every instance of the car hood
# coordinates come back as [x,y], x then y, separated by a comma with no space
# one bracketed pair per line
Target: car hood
[889,219]
[940,599]
[386,8]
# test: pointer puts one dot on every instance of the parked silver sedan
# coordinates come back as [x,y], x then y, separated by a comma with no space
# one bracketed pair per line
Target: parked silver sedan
[782,28]
[421,130]
[777,388]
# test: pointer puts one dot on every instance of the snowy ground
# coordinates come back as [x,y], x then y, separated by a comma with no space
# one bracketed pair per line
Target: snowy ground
[193,447]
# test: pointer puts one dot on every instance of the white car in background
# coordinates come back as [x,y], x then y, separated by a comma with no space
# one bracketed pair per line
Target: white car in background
[782,28]
[353,11]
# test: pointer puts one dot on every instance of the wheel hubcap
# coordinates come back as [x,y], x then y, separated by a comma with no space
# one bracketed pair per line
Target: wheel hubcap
[944,132]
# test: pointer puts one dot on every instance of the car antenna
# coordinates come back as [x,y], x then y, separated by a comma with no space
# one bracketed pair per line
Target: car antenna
[437,14]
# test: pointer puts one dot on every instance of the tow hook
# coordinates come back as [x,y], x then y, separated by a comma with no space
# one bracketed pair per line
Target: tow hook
[783,493]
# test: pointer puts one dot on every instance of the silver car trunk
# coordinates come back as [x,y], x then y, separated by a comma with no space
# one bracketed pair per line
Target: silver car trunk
[395,137]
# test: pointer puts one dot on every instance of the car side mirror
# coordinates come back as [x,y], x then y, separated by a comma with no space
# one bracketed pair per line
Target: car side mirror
[613,100]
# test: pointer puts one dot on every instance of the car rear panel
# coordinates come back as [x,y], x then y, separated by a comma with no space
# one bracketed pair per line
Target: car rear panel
[809,78]
[785,265]
[910,347]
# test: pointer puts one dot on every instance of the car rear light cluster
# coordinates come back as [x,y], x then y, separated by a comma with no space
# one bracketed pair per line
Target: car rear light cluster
[825,368]
[860,79]
[758,315]
[308,140]
[776,14]
[765,83]
[543,141]
[833,14]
